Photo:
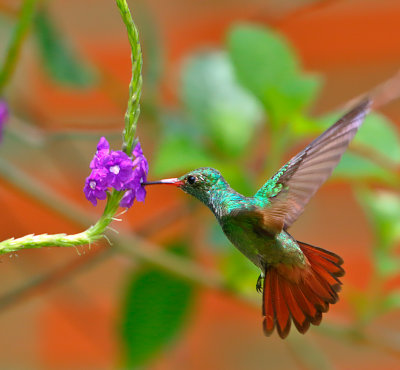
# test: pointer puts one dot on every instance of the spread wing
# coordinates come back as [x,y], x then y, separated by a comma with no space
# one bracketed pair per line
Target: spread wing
[290,189]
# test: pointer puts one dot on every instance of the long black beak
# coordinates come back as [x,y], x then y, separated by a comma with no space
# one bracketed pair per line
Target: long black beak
[174,181]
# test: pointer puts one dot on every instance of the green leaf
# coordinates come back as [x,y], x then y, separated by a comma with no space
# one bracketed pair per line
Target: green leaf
[383,211]
[239,178]
[60,60]
[179,155]
[289,98]
[265,64]
[302,126]
[353,166]
[180,149]
[156,306]
[387,265]
[183,148]
[380,134]
[261,57]
[390,302]
[221,108]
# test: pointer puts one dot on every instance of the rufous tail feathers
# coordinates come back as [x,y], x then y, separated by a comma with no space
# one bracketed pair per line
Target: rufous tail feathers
[301,295]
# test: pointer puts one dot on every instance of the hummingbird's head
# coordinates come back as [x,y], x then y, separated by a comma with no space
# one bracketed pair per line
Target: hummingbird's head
[200,183]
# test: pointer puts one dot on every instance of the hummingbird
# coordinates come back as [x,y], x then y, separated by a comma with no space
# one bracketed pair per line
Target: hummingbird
[298,281]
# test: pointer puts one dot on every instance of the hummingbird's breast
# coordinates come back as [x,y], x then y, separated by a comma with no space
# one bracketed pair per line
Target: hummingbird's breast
[246,234]
[263,249]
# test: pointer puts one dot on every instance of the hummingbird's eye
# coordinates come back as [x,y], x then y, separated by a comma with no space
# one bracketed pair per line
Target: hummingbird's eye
[191,180]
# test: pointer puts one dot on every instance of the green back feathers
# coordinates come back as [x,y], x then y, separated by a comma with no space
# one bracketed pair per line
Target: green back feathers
[272,187]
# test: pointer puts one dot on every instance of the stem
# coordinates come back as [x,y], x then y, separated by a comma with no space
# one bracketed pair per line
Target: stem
[18,36]
[96,231]
[133,246]
[92,234]
[135,86]
[49,279]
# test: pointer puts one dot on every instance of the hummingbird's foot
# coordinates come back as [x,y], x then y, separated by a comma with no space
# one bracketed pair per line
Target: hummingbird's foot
[260,283]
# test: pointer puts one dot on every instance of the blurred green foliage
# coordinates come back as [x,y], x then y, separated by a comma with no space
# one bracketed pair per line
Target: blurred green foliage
[221,109]
[218,122]
[58,56]
[383,210]
[155,308]
[265,64]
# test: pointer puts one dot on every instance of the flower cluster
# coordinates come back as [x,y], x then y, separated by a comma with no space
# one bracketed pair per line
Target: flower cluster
[4,114]
[115,169]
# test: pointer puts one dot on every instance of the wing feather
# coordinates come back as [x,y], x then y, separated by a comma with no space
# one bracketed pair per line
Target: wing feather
[302,176]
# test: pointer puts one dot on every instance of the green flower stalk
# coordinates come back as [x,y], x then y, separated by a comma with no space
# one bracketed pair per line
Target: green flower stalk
[135,86]
[114,197]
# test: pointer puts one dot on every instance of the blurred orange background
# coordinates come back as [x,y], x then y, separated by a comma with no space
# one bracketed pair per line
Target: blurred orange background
[70,320]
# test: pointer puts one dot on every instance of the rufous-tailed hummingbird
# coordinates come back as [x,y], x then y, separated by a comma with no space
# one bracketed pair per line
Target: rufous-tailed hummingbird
[298,280]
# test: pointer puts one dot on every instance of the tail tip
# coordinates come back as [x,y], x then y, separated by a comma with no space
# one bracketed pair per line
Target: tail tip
[302,300]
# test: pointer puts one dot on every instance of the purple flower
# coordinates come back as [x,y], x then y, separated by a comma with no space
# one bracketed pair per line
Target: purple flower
[139,194]
[141,170]
[137,151]
[4,114]
[140,174]
[120,169]
[140,161]
[136,190]
[103,149]
[96,186]
[142,167]
[116,169]
[128,199]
